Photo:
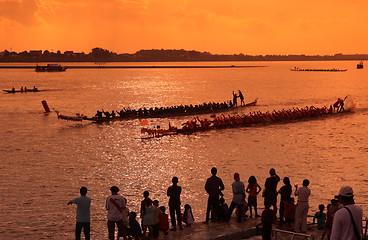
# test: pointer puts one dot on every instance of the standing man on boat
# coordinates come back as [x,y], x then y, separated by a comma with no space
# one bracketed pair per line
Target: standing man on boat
[241,97]
[235,99]
[347,223]
[214,187]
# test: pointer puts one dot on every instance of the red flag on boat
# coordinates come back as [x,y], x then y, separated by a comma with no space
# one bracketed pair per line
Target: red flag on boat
[144,122]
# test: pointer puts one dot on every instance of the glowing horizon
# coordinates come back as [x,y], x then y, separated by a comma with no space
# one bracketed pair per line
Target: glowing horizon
[232,27]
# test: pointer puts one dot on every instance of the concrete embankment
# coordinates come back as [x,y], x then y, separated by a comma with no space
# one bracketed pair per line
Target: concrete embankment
[216,231]
[236,231]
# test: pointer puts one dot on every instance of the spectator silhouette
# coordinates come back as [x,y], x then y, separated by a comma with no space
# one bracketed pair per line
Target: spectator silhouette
[214,187]
[83,214]
[174,192]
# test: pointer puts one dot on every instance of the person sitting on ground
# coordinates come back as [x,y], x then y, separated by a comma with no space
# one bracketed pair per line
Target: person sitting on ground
[224,209]
[188,217]
[164,221]
[134,230]
[321,217]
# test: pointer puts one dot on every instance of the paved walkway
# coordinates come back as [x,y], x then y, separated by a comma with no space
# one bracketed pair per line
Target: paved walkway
[215,230]
[228,231]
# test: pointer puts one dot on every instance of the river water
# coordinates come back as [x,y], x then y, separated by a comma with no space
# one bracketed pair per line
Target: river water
[44,161]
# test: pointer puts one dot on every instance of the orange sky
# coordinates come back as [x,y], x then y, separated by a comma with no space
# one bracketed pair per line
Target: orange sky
[217,26]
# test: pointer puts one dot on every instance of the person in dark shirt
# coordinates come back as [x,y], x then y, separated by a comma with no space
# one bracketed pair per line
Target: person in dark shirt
[268,217]
[285,192]
[134,230]
[235,99]
[98,114]
[214,187]
[270,192]
[174,192]
[241,97]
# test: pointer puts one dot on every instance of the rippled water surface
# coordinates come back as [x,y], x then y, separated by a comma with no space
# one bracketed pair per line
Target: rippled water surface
[44,161]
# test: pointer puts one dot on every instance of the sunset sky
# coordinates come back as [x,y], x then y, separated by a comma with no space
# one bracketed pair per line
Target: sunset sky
[216,26]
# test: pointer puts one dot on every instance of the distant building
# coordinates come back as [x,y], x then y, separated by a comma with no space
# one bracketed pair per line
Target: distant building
[35,53]
[69,53]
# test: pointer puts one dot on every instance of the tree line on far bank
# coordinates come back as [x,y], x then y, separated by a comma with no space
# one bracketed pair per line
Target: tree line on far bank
[160,55]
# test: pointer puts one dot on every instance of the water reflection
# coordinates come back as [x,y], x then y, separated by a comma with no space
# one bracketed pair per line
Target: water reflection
[46,160]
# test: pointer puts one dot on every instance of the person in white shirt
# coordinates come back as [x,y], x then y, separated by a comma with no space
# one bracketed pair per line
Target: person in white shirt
[115,205]
[238,198]
[301,211]
[83,214]
[347,223]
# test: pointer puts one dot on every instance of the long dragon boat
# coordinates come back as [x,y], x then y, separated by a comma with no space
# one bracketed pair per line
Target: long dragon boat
[252,119]
[158,113]
[23,91]
[296,69]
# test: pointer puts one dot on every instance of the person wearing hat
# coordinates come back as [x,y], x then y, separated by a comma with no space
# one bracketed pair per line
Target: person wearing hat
[347,223]
[114,206]
[238,198]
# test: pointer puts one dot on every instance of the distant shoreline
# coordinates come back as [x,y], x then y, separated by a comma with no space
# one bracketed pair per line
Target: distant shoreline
[160,55]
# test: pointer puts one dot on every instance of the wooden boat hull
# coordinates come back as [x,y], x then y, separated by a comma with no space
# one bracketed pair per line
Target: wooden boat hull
[70,118]
[19,91]
[251,120]
[174,115]
[50,68]
[318,70]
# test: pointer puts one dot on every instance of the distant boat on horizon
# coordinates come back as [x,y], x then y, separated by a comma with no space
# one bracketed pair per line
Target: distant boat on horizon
[50,68]
[317,70]
[360,65]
